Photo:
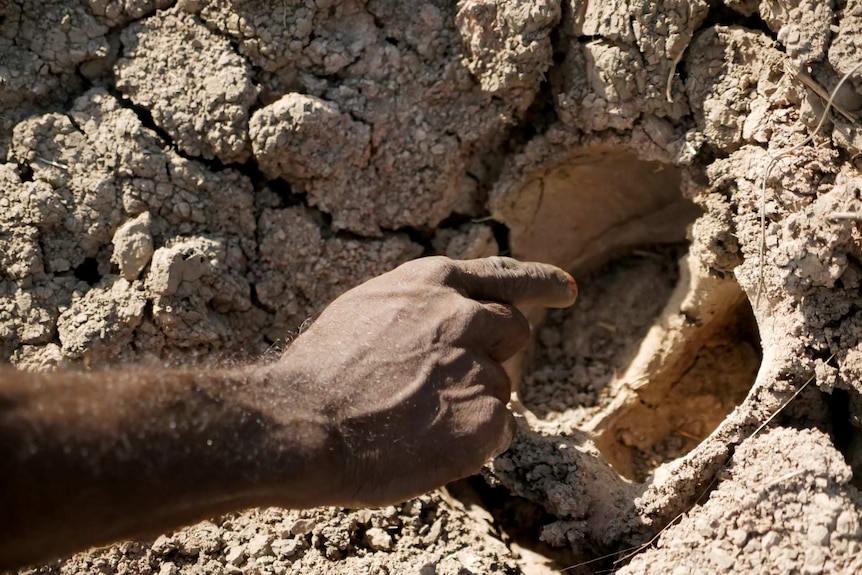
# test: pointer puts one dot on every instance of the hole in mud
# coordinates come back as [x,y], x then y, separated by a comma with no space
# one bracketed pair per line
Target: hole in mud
[501,236]
[587,369]
[657,351]
[25,172]
[846,431]
[88,271]
[592,205]
[842,430]
[581,351]
[723,15]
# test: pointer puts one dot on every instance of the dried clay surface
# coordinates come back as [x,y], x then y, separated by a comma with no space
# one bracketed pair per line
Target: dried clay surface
[191,181]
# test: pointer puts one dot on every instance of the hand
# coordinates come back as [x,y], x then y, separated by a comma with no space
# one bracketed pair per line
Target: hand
[406,370]
[396,389]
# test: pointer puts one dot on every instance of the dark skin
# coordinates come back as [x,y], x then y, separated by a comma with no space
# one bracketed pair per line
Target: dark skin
[396,389]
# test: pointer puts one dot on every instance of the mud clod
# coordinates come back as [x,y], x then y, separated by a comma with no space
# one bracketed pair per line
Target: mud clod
[133,246]
[292,139]
[192,82]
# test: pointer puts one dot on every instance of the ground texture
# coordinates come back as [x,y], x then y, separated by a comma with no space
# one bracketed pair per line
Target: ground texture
[190,181]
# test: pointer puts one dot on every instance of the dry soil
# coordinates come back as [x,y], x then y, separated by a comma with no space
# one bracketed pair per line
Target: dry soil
[189,181]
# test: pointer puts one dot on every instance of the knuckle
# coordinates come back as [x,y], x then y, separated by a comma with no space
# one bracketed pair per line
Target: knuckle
[436,262]
[502,266]
[466,308]
[436,269]
[501,310]
[503,262]
[517,323]
[462,315]
[496,384]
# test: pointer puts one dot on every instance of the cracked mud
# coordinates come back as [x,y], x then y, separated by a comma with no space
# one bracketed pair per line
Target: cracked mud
[189,181]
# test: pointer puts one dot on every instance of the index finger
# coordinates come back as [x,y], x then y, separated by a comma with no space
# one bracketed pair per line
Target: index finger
[508,280]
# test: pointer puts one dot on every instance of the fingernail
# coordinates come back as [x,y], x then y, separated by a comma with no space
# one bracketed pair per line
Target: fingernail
[572,283]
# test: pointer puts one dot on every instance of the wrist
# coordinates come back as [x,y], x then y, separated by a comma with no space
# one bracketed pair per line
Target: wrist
[304,451]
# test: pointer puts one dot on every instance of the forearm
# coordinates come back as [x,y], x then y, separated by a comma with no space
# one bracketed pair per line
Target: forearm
[95,457]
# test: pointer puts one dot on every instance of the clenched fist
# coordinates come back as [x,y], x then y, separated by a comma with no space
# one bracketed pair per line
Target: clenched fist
[394,390]
[405,369]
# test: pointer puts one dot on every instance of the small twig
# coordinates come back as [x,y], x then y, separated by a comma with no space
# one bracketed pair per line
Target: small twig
[852,216]
[651,541]
[630,552]
[609,327]
[786,403]
[774,160]
[50,163]
[812,84]
[687,435]
[602,558]
[273,347]
[785,477]
[647,254]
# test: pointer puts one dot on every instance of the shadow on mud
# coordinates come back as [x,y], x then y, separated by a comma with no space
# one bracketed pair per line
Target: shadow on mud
[659,350]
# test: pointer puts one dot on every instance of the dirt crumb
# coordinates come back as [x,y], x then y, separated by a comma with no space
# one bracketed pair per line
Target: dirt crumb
[509,44]
[624,70]
[108,312]
[133,246]
[292,139]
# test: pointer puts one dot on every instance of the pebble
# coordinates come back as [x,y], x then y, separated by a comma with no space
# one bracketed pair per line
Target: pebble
[301,527]
[434,534]
[163,545]
[738,536]
[703,528]
[363,516]
[818,535]
[467,560]
[848,524]
[259,545]
[133,246]
[235,555]
[378,539]
[721,559]
[168,568]
[752,546]
[770,539]
[814,560]
[285,548]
